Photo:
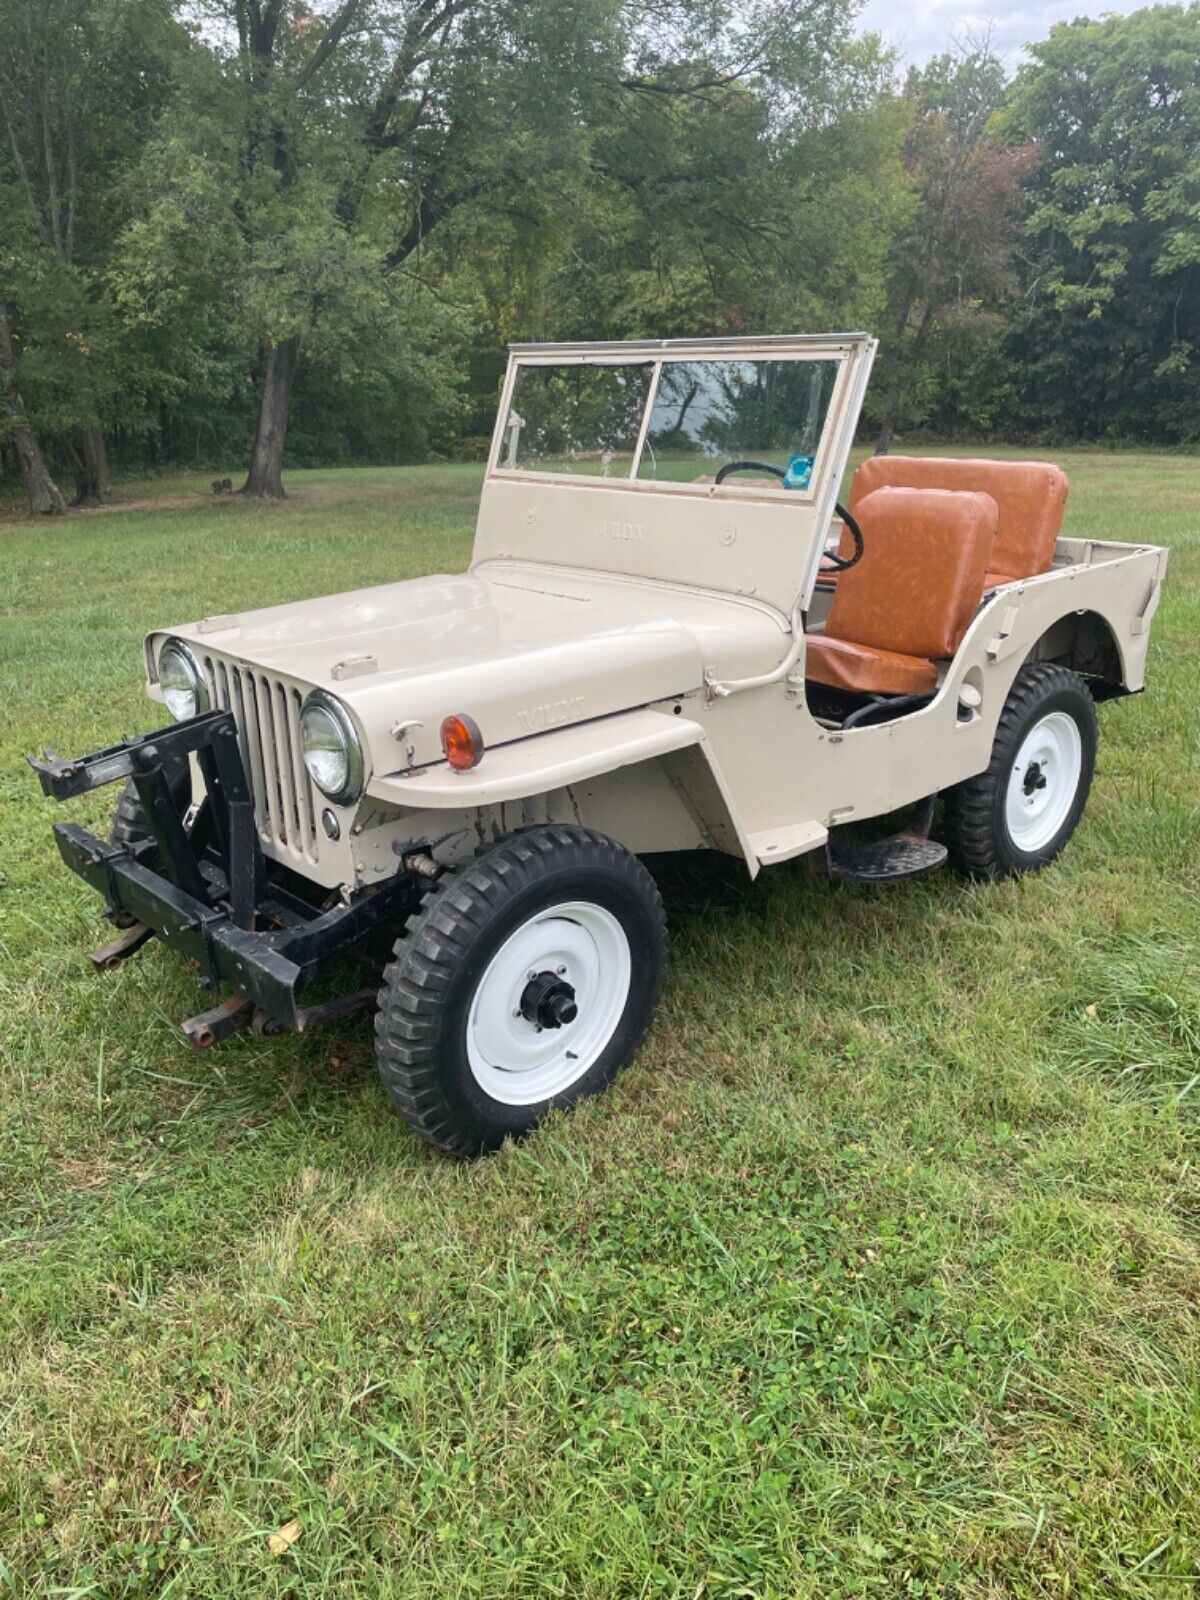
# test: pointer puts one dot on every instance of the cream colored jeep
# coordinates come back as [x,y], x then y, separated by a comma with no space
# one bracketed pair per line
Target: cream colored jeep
[671,638]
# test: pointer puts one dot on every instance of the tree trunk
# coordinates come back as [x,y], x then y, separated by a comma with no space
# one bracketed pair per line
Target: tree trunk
[81,452]
[906,360]
[265,478]
[887,430]
[95,464]
[44,497]
[67,459]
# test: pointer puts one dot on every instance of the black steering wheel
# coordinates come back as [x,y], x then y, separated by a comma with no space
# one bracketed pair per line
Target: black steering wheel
[836,563]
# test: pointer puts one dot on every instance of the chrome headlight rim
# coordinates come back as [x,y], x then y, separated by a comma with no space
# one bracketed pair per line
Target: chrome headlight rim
[181,651]
[352,788]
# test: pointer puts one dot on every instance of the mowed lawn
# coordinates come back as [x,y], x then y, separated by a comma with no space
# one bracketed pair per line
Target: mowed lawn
[877,1274]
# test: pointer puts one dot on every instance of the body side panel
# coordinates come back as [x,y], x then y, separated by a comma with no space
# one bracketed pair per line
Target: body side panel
[782,766]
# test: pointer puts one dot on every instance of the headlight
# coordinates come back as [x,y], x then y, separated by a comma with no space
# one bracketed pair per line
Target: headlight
[181,681]
[331,749]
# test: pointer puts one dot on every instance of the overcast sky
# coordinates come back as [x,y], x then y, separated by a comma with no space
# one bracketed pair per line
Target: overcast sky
[922,28]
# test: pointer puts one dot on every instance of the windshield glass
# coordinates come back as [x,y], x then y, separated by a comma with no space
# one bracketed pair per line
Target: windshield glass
[708,413]
[586,419]
[577,419]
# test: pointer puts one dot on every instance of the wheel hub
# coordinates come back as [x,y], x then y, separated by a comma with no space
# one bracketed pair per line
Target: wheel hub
[1035,778]
[548,1001]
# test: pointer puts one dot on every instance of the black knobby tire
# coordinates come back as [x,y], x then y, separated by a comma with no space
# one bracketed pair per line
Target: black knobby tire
[445,955]
[975,822]
[129,822]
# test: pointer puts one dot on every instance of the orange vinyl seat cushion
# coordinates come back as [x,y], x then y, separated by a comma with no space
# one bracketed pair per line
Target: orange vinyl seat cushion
[911,598]
[1030,499]
[863,669]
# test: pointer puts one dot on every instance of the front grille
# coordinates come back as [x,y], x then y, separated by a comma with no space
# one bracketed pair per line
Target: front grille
[267,713]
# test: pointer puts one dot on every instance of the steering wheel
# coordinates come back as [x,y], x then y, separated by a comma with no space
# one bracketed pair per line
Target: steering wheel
[836,563]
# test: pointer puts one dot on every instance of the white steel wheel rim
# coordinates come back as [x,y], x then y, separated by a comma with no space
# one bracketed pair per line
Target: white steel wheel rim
[1044,781]
[512,1059]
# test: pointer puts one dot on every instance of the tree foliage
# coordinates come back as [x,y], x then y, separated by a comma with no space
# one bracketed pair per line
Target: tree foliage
[951,264]
[80,84]
[1112,328]
[237,228]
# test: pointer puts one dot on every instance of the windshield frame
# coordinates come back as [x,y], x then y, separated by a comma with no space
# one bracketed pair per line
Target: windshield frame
[839,348]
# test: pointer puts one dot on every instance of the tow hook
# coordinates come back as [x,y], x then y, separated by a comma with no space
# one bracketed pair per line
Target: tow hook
[114,954]
[210,1027]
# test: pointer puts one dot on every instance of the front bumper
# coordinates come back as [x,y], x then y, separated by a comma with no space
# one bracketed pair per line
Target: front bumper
[201,884]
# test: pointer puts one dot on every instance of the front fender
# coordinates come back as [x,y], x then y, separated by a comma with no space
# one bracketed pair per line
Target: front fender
[544,761]
[571,755]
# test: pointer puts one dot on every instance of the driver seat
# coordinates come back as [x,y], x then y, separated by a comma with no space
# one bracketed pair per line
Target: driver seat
[910,599]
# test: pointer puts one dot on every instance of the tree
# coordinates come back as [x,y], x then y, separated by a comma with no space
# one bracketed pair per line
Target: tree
[44,495]
[348,135]
[79,82]
[619,164]
[1112,327]
[763,203]
[741,174]
[955,258]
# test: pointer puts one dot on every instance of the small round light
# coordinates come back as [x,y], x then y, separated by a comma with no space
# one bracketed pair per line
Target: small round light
[332,753]
[181,681]
[462,742]
[330,823]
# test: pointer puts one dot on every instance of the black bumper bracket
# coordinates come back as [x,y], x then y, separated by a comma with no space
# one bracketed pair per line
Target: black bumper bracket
[206,890]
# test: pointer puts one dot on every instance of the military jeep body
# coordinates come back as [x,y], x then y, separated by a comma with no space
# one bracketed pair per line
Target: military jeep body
[671,637]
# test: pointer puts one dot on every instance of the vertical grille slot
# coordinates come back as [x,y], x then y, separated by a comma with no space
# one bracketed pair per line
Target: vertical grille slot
[266,734]
[306,800]
[267,714]
[246,710]
[287,772]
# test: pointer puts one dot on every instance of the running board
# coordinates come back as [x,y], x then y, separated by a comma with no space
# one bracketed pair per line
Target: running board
[903,855]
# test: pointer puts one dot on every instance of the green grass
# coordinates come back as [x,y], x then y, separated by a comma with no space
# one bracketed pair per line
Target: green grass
[878,1274]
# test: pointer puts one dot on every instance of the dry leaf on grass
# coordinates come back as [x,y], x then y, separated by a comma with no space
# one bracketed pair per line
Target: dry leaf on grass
[281,1541]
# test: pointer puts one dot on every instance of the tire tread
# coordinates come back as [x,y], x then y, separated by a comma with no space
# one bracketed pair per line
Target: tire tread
[970,808]
[436,941]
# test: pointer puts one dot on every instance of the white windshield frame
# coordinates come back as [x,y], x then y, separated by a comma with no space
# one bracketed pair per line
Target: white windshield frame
[844,349]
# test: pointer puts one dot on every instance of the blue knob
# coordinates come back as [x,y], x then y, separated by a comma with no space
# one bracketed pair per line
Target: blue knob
[799,473]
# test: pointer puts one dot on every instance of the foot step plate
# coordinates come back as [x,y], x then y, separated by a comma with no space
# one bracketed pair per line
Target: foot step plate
[904,855]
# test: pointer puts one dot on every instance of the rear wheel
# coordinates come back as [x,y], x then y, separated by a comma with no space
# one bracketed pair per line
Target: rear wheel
[525,983]
[1019,814]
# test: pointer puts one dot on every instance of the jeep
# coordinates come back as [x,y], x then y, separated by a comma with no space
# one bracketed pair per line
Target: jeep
[671,637]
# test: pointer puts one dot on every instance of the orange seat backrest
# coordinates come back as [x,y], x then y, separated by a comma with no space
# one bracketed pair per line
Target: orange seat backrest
[920,581]
[1030,497]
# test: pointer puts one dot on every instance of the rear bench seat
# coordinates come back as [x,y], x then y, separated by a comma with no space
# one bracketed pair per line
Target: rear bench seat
[1030,498]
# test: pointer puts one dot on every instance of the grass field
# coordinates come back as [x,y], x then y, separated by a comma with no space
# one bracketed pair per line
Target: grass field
[878,1274]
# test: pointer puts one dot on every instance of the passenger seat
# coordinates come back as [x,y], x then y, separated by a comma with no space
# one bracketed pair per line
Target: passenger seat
[1030,499]
[909,601]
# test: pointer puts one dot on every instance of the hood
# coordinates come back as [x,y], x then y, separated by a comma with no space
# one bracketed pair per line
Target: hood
[520,650]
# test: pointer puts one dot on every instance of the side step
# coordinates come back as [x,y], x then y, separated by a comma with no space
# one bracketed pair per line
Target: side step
[904,855]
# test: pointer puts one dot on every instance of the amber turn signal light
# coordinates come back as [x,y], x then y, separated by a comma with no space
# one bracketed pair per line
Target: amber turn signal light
[462,742]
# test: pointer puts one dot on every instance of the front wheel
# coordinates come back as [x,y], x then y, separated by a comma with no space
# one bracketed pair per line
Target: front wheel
[1019,814]
[525,983]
